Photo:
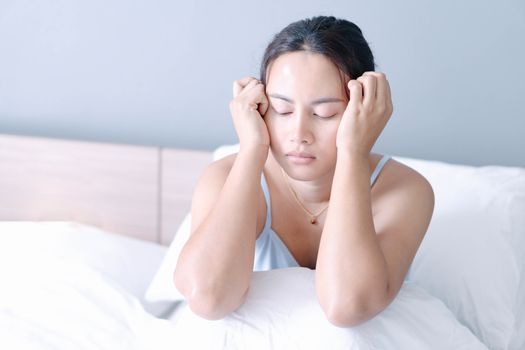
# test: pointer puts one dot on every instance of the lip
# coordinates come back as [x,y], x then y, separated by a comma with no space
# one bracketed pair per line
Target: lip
[300,154]
[300,157]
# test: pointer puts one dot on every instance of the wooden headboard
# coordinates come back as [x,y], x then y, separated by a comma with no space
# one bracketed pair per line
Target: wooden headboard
[138,191]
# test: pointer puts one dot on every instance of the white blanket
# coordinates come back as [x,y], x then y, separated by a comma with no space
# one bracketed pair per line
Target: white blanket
[67,305]
[67,286]
[64,305]
[282,312]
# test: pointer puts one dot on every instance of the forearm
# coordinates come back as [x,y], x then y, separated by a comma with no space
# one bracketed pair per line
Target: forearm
[351,272]
[217,260]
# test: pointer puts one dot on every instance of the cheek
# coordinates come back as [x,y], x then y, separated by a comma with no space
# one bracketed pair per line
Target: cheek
[327,141]
[274,123]
[330,141]
[330,130]
[274,129]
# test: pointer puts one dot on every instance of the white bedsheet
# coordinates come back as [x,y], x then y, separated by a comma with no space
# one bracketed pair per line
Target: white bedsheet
[54,300]
[65,305]
[70,306]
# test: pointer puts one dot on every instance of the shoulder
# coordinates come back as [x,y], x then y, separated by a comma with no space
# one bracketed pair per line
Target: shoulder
[220,166]
[215,173]
[403,206]
[397,173]
[399,182]
[209,187]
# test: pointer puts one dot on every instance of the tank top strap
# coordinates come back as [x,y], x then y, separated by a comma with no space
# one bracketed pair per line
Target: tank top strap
[270,250]
[266,192]
[378,168]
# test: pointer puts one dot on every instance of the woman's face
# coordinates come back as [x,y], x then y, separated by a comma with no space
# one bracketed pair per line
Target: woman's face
[307,100]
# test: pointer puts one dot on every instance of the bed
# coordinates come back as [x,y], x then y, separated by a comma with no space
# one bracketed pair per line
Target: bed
[90,233]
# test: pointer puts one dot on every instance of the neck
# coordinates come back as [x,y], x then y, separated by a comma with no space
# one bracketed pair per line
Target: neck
[311,193]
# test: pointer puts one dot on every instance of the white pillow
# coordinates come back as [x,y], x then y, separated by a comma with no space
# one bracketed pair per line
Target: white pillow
[472,257]
[162,287]
[54,302]
[225,150]
[127,261]
[282,312]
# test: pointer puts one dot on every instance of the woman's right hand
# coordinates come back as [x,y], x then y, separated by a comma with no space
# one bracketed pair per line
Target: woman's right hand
[248,106]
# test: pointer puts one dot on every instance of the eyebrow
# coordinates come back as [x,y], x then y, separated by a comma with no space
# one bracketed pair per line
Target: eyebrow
[315,102]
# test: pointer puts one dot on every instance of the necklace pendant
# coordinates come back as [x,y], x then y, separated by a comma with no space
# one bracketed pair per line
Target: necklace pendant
[313,220]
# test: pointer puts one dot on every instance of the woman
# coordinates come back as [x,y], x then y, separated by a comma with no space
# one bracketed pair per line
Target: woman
[304,189]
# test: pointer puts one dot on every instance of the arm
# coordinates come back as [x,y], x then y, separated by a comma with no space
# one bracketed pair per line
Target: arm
[350,263]
[215,266]
[363,259]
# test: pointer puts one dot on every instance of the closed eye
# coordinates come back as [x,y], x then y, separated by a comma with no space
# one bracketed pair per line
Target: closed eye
[325,117]
[279,113]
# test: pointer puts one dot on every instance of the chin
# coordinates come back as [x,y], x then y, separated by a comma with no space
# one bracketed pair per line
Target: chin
[308,172]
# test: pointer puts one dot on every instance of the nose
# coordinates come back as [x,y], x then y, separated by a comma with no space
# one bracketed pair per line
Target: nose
[300,131]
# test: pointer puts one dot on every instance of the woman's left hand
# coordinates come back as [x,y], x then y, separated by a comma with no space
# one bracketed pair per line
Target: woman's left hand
[367,113]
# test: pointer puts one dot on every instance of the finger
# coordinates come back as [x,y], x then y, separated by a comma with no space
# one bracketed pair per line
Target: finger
[369,83]
[383,92]
[249,87]
[389,96]
[263,102]
[255,94]
[244,81]
[237,88]
[356,93]
[382,89]
[240,84]
[247,81]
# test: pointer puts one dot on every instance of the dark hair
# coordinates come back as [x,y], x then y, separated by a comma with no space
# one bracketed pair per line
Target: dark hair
[339,40]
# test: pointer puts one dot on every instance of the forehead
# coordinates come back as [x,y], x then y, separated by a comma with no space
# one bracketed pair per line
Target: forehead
[304,73]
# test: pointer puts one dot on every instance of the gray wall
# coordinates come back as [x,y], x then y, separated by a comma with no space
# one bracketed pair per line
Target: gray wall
[160,72]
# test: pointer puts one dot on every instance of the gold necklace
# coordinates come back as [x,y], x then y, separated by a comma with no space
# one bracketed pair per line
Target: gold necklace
[313,218]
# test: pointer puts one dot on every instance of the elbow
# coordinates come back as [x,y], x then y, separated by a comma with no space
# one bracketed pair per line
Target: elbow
[213,306]
[348,314]
[208,306]
[206,301]
[345,309]
[346,318]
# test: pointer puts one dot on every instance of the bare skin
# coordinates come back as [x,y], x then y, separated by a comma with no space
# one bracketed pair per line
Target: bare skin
[361,247]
